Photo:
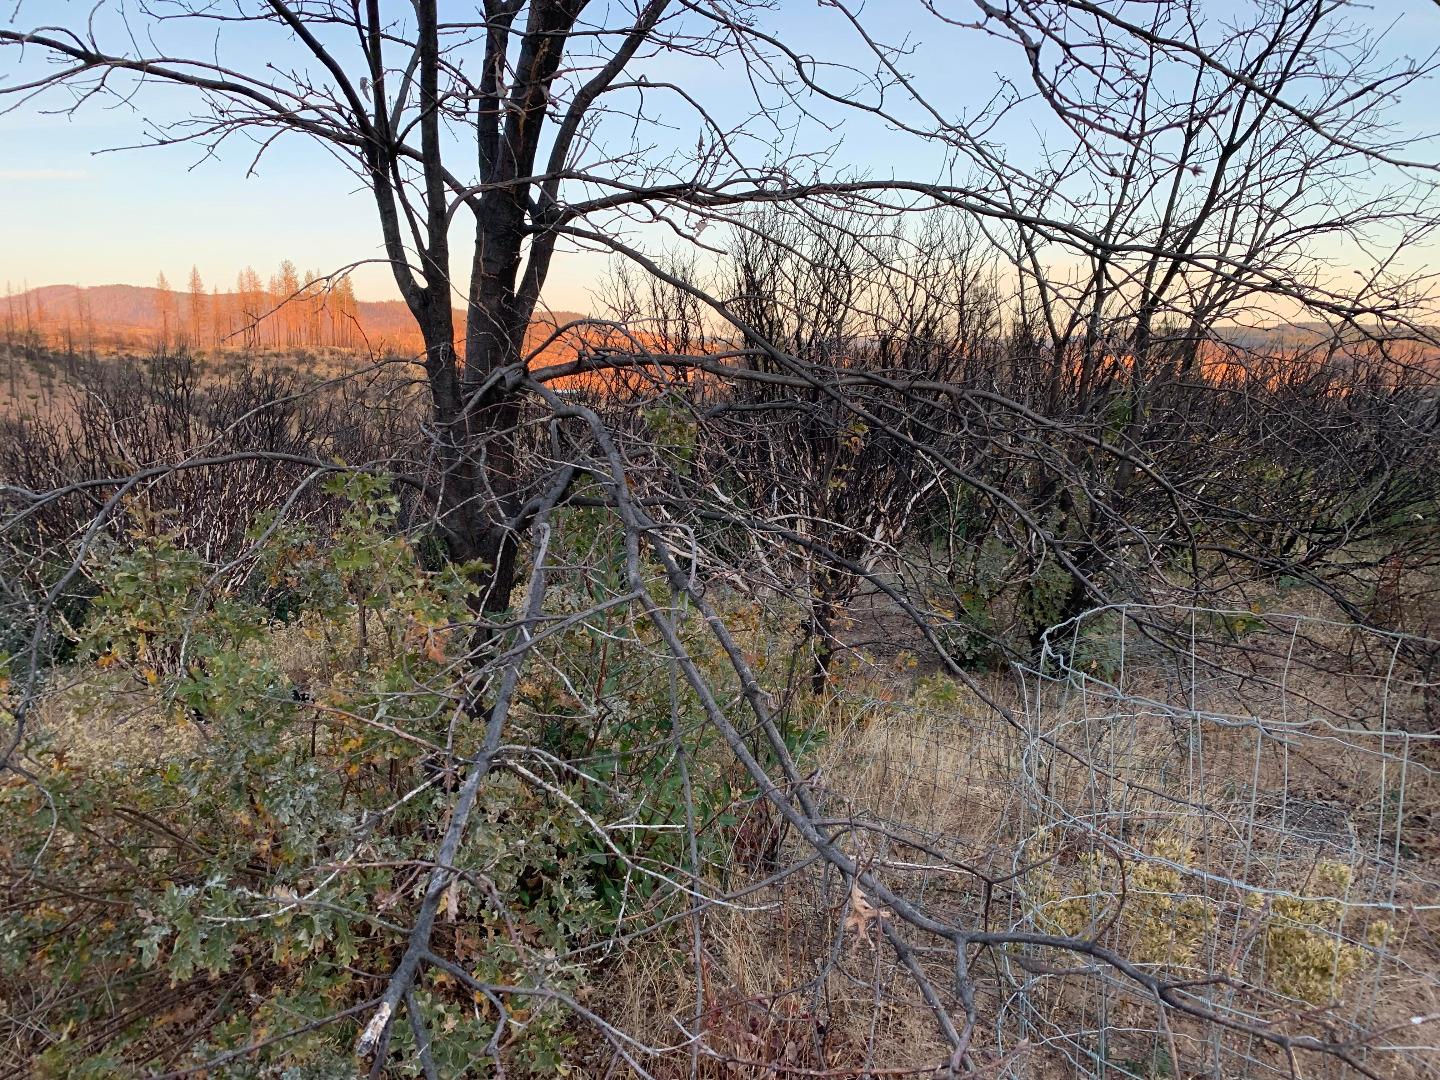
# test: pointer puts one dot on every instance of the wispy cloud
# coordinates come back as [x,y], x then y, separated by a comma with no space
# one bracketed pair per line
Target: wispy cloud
[41,174]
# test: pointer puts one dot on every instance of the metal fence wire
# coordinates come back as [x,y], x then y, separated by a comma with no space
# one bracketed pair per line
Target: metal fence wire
[1238,801]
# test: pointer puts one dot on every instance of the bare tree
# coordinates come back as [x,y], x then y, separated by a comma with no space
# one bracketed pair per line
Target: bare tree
[1194,169]
[879,305]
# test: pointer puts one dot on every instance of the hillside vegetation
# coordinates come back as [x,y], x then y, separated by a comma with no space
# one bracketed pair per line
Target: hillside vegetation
[963,603]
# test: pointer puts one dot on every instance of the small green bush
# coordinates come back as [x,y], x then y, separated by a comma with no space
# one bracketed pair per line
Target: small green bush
[251,871]
[1167,918]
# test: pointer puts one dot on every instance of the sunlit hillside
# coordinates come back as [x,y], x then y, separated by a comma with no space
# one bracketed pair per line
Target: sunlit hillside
[276,316]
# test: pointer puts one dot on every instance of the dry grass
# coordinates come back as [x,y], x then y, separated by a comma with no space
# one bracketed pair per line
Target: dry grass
[1240,787]
[1222,799]
[101,719]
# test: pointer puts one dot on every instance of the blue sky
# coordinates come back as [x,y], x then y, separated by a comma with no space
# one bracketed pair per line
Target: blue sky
[78,216]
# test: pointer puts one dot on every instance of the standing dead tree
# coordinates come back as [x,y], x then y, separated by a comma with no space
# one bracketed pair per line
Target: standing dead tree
[883,308]
[1223,181]
[552,106]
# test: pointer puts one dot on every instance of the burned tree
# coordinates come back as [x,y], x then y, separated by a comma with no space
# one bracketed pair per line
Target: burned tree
[559,736]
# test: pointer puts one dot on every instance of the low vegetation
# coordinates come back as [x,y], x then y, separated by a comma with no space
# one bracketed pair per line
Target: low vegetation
[243,751]
[982,626]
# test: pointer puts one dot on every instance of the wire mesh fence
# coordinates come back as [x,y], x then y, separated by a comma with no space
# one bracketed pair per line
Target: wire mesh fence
[1238,803]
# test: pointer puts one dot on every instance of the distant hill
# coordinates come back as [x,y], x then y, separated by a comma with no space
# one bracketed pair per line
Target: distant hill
[130,316]
[1299,335]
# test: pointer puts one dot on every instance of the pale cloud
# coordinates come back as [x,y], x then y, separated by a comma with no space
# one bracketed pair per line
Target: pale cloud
[41,174]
